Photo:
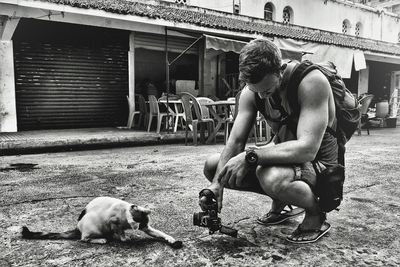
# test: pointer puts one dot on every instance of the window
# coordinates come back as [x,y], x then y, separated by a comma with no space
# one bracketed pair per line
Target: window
[180,1]
[236,9]
[358,29]
[268,11]
[287,15]
[346,26]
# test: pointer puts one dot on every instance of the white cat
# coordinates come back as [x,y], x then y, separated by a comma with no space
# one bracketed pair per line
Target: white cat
[104,219]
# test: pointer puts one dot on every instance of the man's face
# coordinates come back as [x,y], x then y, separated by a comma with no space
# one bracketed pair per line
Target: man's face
[267,86]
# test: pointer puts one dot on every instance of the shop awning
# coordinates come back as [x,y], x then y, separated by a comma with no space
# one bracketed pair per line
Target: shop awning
[382,57]
[342,57]
[224,44]
[295,49]
[359,60]
[230,45]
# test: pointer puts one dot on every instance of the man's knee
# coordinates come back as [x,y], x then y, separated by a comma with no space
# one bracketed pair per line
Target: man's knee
[274,180]
[210,166]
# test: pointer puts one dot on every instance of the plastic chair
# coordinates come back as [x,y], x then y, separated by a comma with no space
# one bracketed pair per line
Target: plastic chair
[134,110]
[261,126]
[192,107]
[144,113]
[155,112]
[178,111]
[234,110]
[179,116]
[365,102]
[205,112]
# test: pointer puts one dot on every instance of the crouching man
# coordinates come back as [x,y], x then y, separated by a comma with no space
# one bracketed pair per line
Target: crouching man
[283,169]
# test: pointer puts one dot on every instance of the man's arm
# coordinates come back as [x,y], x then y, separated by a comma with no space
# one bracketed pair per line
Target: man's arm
[240,131]
[313,97]
[237,140]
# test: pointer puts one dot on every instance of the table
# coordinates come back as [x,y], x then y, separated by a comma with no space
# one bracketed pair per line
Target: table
[221,118]
[177,110]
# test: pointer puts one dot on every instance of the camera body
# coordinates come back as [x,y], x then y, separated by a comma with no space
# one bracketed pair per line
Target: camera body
[207,219]
[209,216]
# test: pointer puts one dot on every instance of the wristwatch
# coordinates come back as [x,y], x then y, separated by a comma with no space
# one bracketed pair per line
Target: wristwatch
[251,157]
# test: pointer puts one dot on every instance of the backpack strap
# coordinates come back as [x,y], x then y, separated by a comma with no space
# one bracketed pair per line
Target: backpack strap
[294,80]
[274,103]
[291,80]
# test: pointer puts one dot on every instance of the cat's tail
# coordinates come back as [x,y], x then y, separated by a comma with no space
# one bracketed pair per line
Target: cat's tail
[72,234]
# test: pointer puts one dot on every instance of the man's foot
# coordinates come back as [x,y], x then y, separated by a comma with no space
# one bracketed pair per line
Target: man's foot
[274,217]
[305,236]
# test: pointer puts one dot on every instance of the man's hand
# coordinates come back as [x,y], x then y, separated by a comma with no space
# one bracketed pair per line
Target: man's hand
[234,171]
[218,190]
[231,175]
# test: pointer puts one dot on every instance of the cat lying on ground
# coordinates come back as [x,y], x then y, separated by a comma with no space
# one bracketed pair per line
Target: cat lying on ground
[104,219]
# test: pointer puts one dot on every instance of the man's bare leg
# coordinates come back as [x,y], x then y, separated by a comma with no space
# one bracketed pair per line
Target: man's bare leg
[209,171]
[277,206]
[278,183]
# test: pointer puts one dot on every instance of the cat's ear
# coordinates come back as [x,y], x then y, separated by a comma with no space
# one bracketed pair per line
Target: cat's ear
[134,208]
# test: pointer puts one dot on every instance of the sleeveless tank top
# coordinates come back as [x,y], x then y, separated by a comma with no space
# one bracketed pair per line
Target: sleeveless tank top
[284,125]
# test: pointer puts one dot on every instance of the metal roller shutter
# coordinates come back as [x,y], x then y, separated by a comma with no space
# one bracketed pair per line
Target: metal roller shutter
[157,42]
[71,85]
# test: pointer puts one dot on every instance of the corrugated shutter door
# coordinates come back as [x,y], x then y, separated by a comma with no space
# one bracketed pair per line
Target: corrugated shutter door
[60,85]
[157,42]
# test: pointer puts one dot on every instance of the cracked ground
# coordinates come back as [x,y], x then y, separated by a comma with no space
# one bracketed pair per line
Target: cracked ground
[48,192]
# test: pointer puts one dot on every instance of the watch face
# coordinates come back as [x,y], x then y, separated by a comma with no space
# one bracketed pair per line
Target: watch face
[251,157]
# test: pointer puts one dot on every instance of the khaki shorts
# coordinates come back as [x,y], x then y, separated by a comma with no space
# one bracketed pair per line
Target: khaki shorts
[302,172]
[305,172]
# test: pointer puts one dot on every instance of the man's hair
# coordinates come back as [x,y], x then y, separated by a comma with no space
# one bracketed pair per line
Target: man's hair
[258,58]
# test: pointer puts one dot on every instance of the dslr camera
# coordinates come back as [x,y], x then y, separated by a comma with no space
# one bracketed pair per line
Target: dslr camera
[208,217]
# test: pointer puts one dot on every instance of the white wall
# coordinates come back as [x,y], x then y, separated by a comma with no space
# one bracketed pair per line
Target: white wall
[220,5]
[316,14]
[391,28]
[8,114]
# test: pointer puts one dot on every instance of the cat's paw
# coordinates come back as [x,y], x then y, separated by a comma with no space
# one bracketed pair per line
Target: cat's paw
[100,241]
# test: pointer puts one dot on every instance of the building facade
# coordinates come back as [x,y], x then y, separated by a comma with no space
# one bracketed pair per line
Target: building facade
[378,22]
[67,64]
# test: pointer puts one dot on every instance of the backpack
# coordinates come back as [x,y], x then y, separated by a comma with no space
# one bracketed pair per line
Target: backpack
[329,186]
[347,107]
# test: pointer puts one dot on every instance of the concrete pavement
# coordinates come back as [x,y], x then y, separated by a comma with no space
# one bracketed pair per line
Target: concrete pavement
[39,141]
[48,191]
[77,139]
